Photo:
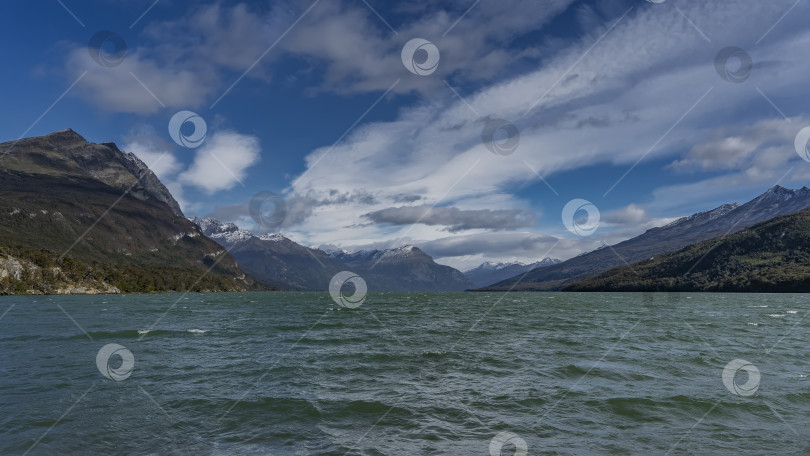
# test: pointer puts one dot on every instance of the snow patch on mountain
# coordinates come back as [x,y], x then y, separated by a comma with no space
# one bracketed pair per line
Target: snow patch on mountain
[274,237]
[228,233]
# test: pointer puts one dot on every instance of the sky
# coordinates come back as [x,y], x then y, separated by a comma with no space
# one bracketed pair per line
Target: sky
[507,130]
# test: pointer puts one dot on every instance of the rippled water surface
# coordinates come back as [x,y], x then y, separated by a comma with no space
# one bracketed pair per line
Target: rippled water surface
[406,374]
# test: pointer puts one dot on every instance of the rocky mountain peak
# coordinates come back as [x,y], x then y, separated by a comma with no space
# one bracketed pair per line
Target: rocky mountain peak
[227,234]
[778,192]
[67,153]
[399,253]
[489,272]
[66,135]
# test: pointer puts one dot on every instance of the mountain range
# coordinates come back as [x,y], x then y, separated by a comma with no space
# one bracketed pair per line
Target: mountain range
[725,219]
[78,217]
[488,273]
[771,256]
[277,261]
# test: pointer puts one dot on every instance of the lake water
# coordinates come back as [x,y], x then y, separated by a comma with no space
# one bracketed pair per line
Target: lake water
[405,374]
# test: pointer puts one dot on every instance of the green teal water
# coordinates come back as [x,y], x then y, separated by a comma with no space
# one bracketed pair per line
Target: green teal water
[405,374]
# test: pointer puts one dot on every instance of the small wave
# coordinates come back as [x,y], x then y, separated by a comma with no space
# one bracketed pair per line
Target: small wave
[131,333]
[197,331]
[432,353]
[371,407]
[124,334]
[792,311]
[754,324]
[776,315]
[761,307]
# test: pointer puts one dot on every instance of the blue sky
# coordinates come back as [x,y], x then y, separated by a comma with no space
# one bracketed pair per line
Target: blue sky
[312,100]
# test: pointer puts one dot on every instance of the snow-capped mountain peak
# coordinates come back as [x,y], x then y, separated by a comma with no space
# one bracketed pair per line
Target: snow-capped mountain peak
[275,237]
[227,234]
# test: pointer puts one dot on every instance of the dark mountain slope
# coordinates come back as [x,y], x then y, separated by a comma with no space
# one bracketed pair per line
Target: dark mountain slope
[772,256]
[405,268]
[725,219]
[273,259]
[73,205]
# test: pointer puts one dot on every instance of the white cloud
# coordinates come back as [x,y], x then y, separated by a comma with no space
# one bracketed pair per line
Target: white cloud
[222,161]
[614,106]
[766,145]
[606,104]
[127,87]
[630,214]
[188,61]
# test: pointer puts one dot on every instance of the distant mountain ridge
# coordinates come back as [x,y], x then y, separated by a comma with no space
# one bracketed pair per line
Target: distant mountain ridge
[488,273]
[405,268]
[725,219]
[771,256]
[278,261]
[273,259]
